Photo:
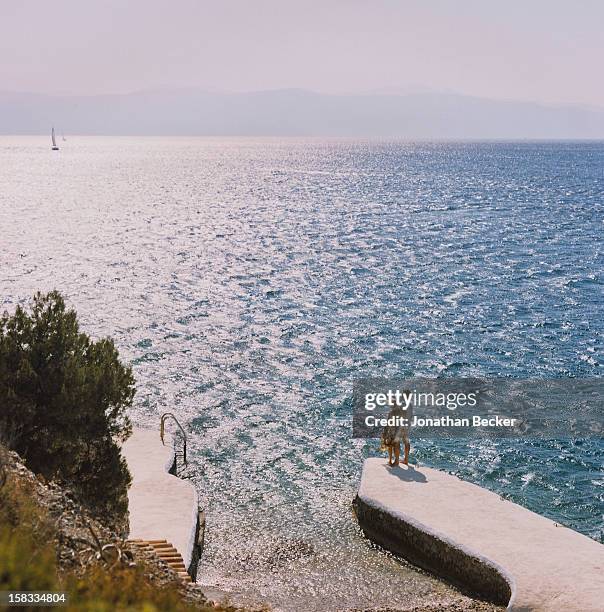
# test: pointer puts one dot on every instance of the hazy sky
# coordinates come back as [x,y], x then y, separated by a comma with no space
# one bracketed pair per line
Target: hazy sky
[543,50]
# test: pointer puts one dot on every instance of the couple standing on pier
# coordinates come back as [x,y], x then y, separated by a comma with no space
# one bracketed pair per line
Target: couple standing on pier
[393,435]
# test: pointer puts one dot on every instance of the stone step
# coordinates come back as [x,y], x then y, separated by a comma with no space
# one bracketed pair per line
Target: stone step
[166,553]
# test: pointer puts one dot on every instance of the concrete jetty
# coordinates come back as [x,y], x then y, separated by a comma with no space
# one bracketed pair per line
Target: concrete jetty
[161,506]
[474,538]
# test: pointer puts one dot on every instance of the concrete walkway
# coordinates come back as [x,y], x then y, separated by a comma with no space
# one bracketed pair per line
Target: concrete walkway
[161,506]
[473,537]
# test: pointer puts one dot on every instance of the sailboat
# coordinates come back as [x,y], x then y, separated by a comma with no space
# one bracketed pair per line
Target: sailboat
[54,142]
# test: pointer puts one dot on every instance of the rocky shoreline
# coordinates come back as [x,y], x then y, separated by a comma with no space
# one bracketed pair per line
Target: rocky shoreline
[83,543]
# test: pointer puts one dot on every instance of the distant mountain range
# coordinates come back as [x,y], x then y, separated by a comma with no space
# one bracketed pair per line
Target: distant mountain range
[296,112]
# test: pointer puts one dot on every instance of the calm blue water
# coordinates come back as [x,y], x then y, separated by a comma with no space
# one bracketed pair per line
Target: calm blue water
[250,281]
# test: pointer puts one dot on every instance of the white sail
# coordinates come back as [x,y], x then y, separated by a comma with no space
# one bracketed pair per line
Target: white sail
[54,142]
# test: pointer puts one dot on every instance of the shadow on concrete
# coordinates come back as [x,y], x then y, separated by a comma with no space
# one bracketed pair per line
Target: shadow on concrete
[408,473]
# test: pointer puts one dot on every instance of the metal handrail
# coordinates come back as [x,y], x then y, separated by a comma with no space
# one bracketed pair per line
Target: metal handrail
[182,431]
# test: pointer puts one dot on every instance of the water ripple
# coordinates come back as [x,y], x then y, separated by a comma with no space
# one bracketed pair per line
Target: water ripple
[249,282]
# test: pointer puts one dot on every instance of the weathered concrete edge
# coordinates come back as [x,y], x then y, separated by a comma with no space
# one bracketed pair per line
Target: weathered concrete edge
[193,534]
[197,546]
[451,560]
[170,466]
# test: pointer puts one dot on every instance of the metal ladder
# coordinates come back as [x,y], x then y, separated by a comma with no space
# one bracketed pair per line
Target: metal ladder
[178,454]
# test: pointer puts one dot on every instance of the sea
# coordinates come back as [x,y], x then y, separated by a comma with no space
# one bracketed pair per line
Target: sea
[250,282]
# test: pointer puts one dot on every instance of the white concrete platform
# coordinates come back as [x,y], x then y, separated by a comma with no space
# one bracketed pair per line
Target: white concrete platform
[472,536]
[161,506]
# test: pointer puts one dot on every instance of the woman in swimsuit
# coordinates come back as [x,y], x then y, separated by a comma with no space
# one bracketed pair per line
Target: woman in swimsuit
[392,435]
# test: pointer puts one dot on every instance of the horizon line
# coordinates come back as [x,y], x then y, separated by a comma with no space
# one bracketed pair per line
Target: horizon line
[397,139]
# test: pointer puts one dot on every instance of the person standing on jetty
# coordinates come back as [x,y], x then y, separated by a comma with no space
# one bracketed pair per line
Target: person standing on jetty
[398,431]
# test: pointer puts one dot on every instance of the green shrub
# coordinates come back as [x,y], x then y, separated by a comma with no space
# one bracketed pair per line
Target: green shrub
[27,556]
[24,564]
[28,563]
[64,400]
[117,589]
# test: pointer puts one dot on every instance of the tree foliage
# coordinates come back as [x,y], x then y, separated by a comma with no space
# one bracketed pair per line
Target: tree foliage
[64,401]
